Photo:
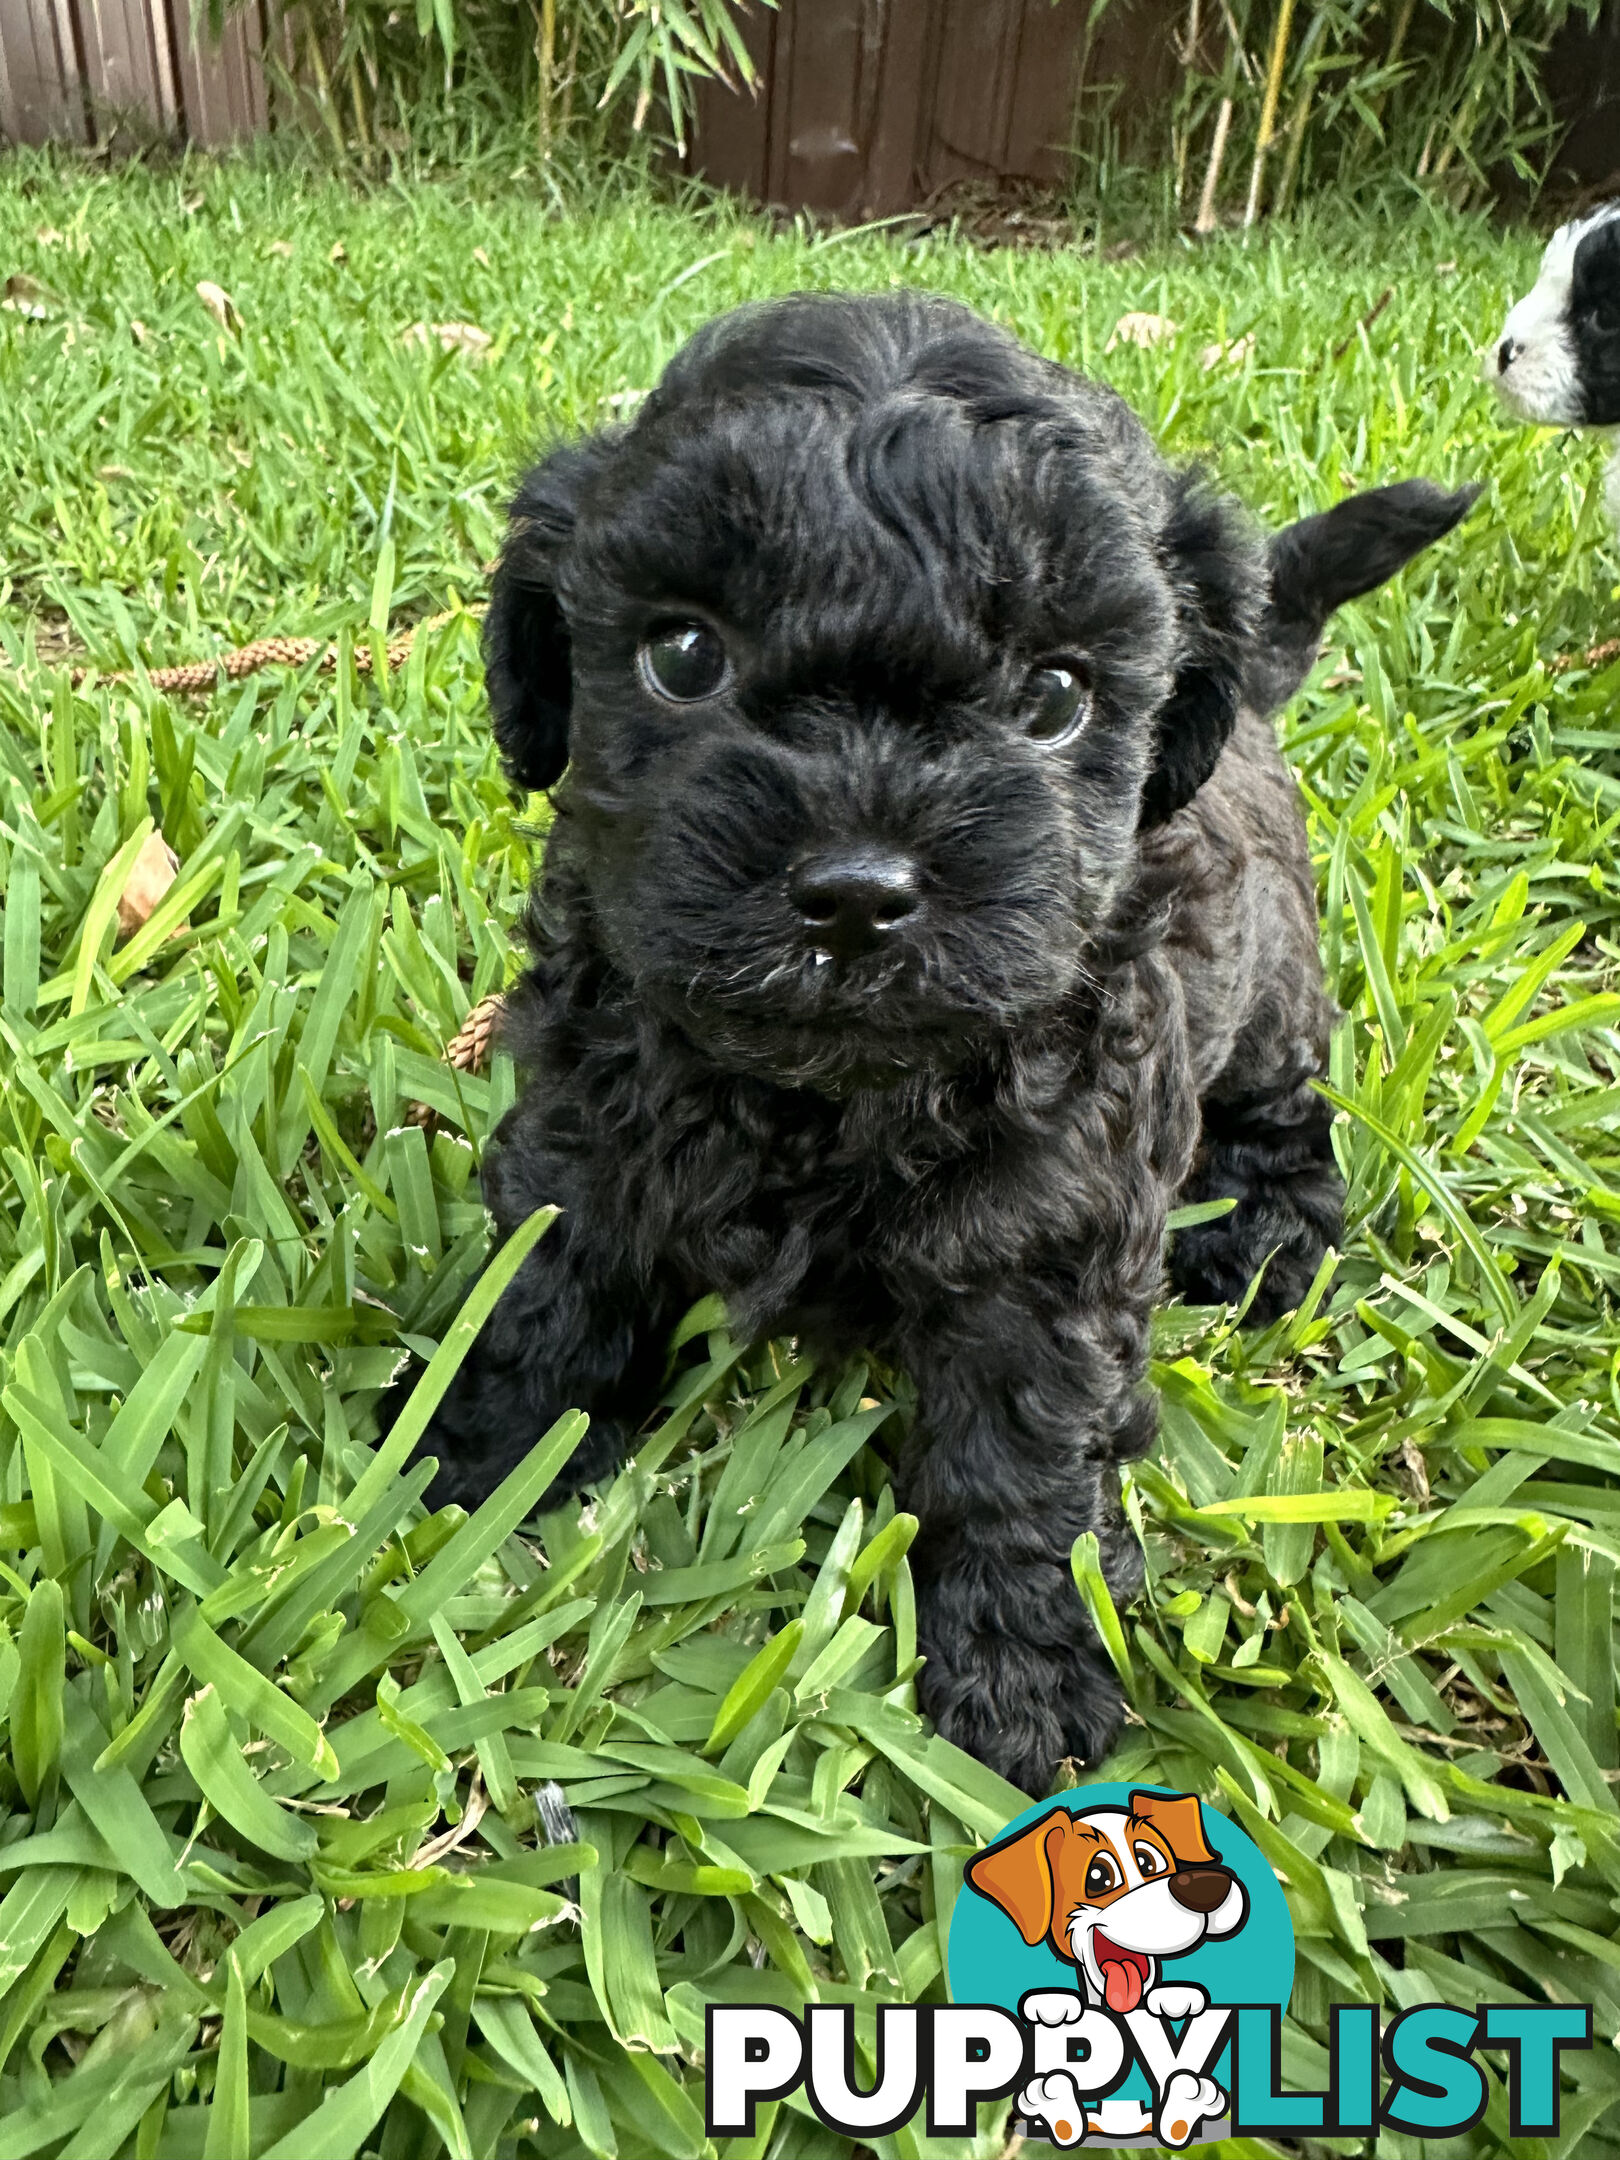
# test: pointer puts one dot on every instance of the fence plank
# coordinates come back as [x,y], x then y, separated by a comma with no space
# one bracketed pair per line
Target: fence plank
[823,156]
[125,72]
[40,98]
[222,85]
[732,128]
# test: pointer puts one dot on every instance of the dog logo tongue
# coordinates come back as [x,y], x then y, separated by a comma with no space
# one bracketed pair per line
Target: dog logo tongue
[1123,1973]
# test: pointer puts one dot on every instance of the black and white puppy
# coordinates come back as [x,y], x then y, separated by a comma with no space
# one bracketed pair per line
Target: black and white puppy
[1557,360]
[927,911]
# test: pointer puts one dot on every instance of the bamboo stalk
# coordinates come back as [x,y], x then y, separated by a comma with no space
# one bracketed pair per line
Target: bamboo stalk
[1296,148]
[1205,221]
[1181,138]
[1397,45]
[545,53]
[325,97]
[357,100]
[570,75]
[1268,108]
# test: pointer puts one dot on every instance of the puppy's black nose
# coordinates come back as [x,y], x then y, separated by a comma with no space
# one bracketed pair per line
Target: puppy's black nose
[850,900]
[1506,354]
[1200,1889]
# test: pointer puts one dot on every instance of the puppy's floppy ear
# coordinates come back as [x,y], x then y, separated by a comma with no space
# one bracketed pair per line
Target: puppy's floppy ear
[1215,566]
[528,657]
[1179,1820]
[1017,1874]
[1594,307]
[1323,561]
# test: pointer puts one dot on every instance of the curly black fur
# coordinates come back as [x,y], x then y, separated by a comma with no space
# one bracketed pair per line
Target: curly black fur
[958,1148]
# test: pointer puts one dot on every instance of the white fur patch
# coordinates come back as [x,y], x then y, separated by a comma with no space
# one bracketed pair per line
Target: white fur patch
[1532,364]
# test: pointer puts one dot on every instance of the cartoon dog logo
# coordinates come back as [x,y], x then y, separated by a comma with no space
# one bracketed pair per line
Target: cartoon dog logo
[1116,1891]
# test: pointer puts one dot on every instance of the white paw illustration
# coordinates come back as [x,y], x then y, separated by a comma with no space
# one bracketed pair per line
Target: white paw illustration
[1181,2000]
[1186,2102]
[1053,2006]
[1055,2100]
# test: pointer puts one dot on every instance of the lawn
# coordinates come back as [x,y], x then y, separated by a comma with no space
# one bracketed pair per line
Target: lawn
[276,1876]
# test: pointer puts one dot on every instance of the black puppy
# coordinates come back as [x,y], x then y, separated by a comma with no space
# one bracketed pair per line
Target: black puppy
[927,910]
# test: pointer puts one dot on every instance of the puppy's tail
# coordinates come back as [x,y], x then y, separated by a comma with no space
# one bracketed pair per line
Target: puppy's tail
[1323,561]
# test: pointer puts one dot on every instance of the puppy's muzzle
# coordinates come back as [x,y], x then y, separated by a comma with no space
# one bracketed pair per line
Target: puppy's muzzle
[853,900]
[1201,1890]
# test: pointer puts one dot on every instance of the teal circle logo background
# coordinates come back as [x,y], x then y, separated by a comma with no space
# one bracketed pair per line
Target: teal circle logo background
[989,1961]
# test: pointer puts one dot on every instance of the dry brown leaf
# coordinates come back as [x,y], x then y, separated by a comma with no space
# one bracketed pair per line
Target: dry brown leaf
[339,254]
[462,337]
[1410,1457]
[1141,328]
[154,870]
[138,330]
[27,296]
[481,257]
[283,248]
[219,304]
[472,1814]
[1238,353]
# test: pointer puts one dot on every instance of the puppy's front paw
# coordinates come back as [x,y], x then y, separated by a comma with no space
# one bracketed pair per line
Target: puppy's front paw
[1186,2102]
[1180,2000]
[1283,1223]
[1020,1702]
[482,1428]
[1052,2006]
[1055,2101]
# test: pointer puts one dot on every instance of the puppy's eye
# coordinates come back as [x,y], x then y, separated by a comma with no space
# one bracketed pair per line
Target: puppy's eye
[685,662]
[1101,1877]
[1057,700]
[1150,1860]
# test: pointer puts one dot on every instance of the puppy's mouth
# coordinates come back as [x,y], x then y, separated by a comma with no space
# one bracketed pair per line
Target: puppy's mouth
[816,1017]
[1524,392]
[817,1053]
[1124,1972]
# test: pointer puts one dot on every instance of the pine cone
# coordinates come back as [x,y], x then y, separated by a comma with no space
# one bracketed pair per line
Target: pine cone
[1597,657]
[470,1048]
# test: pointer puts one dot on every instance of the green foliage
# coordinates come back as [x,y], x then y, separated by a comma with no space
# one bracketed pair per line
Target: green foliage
[1336,95]
[275,1874]
[376,78]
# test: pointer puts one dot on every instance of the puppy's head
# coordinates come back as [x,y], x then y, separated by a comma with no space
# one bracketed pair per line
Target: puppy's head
[1115,1890]
[1558,357]
[872,643]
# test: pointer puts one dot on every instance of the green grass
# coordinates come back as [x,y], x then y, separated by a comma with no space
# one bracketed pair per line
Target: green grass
[1381,1537]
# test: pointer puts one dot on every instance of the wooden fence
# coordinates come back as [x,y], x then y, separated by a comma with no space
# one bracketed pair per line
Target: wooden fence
[864,106]
[80,70]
